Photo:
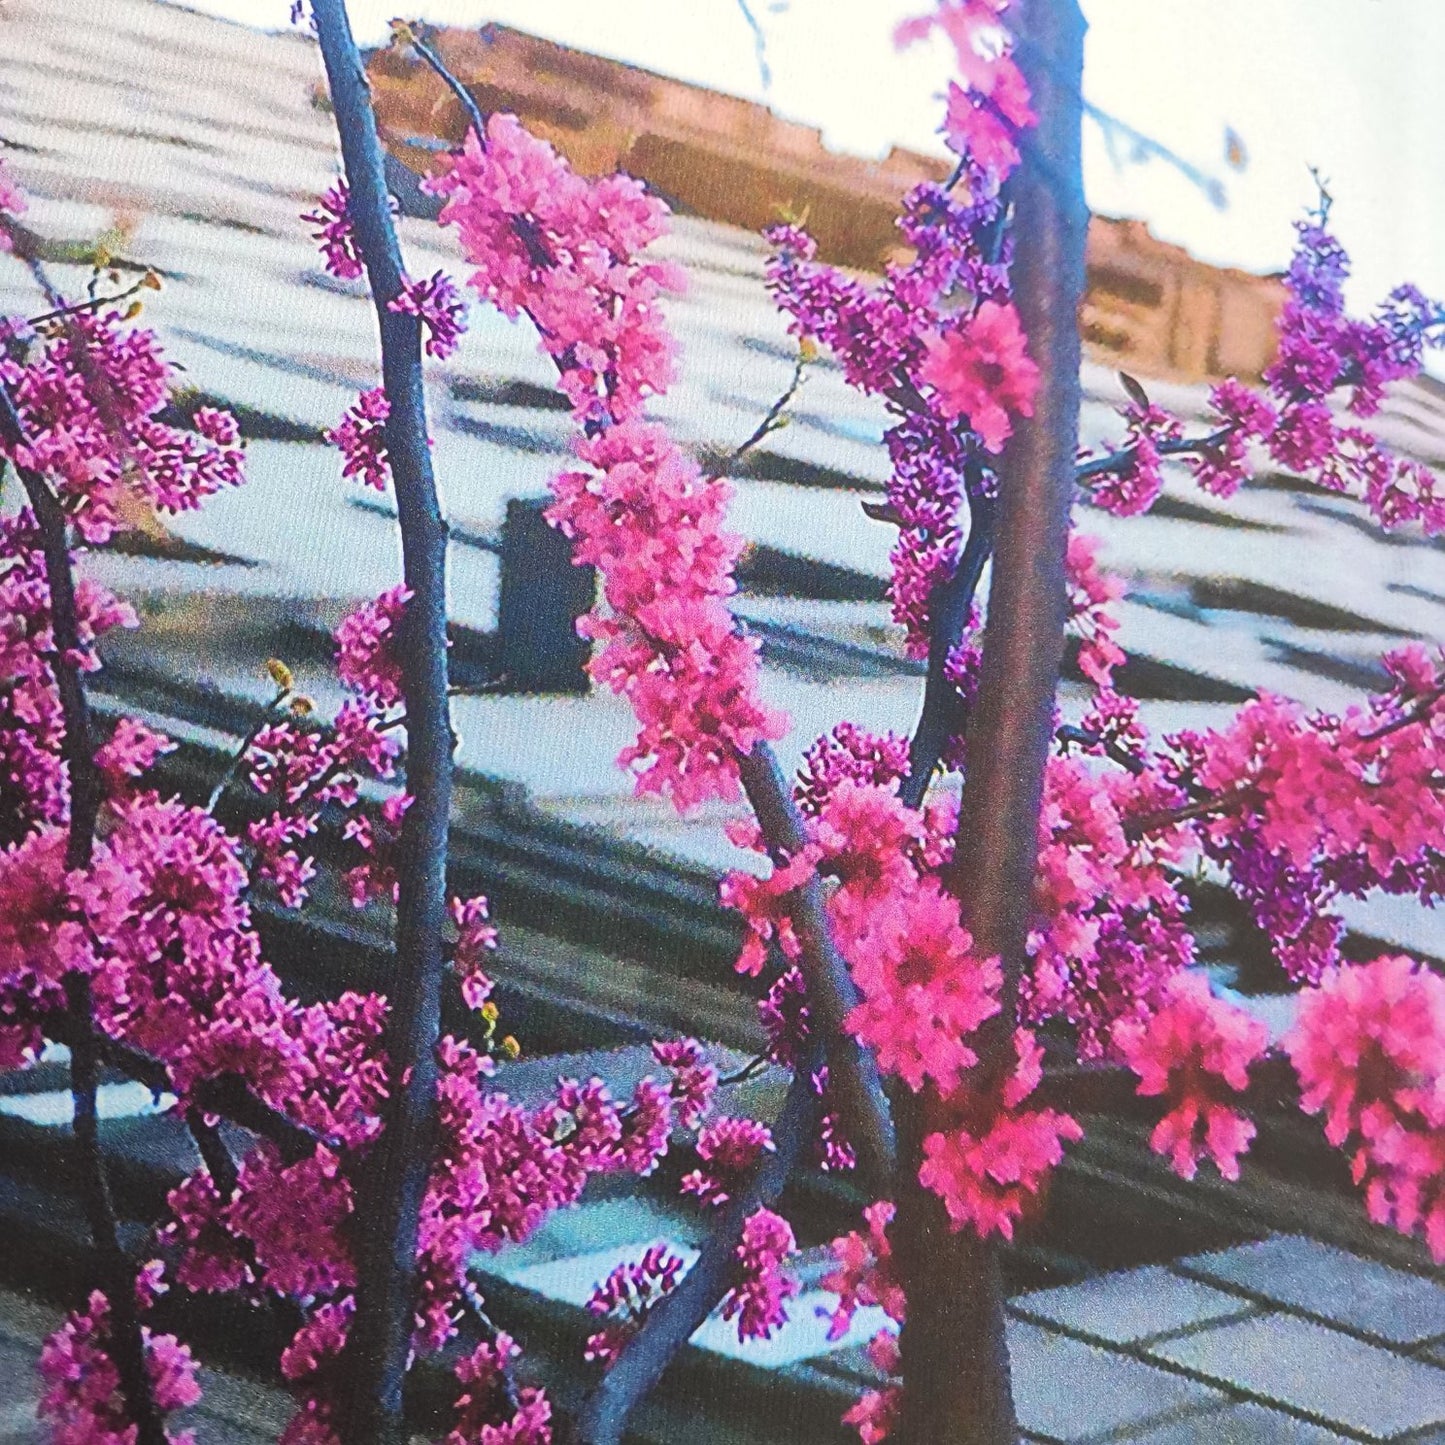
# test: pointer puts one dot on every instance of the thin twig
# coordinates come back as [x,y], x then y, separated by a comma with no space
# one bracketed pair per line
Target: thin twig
[234,767]
[773,421]
[1086,739]
[1136,827]
[463,95]
[755,1068]
[760,44]
[94,303]
[1126,456]
[1424,706]
[940,717]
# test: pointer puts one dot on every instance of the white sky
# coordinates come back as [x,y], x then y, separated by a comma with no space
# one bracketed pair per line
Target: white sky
[1350,86]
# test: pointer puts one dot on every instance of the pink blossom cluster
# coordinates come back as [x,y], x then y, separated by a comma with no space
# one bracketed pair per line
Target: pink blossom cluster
[1369,1047]
[84,1403]
[1195,1053]
[360,436]
[12,204]
[991,1166]
[694,1080]
[487,1412]
[1133,486]
[476,938]
[368,659]
[980,370]
[626,1297]
[762,1287]
[1111,921]
[569,254]
[940,338]
[665,637]
[728,1150]
[1295,421]
[988,111]
[90,379]
[440,307]
[333,233]
[1313,807]
[33,788]
[867,1275]
[1091,592]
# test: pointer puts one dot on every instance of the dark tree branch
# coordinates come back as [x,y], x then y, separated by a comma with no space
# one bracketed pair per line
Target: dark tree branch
[853,1075]
[671,1323]
[832,994]
[214,1154]
[941,716]
[226,1096]
[148,282]
[1131,762]
[126,1345]
[463,95]
[1143,824]
[1182,446]
[390,1195]
[769,424]
[1424,706]
[117,1274]
[955,1356]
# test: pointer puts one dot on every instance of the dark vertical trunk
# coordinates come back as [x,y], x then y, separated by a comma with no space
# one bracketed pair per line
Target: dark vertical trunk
[391,1192]
[955,1355]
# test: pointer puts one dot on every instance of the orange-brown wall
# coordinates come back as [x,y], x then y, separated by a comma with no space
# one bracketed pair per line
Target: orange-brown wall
[1150,307]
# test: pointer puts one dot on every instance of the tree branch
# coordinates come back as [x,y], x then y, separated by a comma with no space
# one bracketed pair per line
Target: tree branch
[1125,456]
[832,994]
[940,719]
[126,1345]
[675,1318]
[1144,823]
[390,1195]
[226,1096]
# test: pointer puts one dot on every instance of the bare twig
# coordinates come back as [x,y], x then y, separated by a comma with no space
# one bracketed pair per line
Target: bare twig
[409,36]
[773,421]
[239,757]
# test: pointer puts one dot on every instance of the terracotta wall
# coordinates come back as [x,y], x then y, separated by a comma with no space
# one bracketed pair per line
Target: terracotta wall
[1150,307]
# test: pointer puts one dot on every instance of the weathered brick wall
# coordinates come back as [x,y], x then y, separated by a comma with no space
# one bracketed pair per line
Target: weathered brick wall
[1150,307]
